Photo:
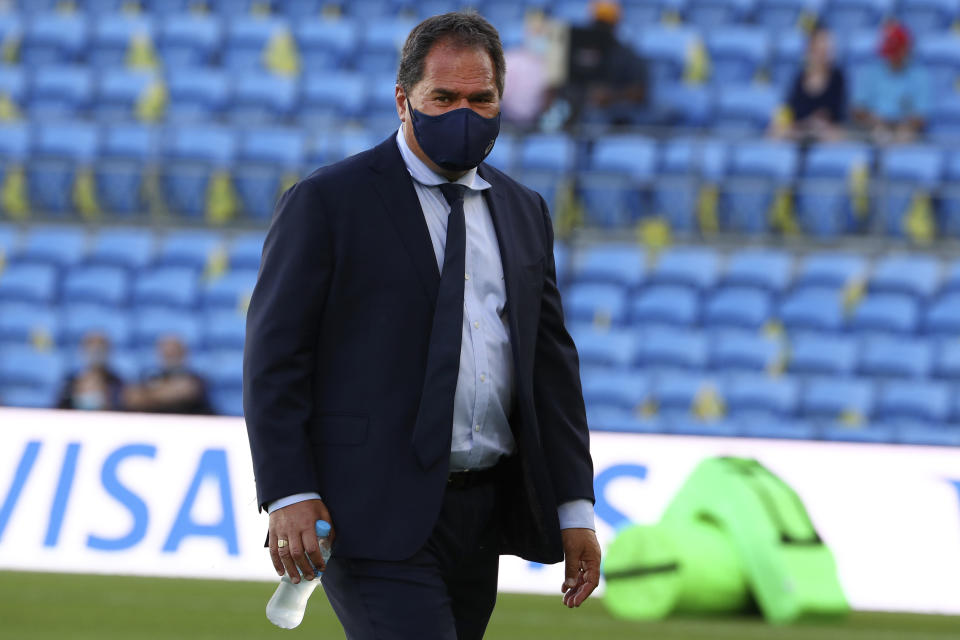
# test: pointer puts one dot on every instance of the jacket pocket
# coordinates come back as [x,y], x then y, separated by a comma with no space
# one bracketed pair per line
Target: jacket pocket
[339,428]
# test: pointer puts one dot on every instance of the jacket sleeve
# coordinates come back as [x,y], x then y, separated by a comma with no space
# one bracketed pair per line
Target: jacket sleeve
[283,324]
[557,395]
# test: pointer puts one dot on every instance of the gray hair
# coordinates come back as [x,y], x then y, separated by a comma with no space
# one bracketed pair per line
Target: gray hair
[461,28]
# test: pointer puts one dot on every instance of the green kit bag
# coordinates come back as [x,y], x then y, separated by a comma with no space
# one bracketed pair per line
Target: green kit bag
[656,570]
[790,571]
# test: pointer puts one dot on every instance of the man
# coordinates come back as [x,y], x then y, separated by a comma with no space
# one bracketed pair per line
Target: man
[95,387]
[892,99]
[173,388]
[407,374]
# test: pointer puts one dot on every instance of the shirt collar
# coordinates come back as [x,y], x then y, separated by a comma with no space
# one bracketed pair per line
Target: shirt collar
[423,174]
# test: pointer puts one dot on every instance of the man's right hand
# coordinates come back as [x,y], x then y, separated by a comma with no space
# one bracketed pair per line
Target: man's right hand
[296,523]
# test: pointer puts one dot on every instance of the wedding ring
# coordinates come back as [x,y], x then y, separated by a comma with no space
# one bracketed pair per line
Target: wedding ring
[281,544]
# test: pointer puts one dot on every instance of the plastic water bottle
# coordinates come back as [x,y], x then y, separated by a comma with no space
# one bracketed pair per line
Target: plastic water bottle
[289,601]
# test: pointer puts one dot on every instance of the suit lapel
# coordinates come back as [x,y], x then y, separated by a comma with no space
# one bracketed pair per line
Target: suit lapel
[395,188]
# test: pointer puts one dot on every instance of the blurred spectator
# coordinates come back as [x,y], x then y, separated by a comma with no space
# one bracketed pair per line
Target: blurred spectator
[892,99]
[532,70]
[817,103]
[606,81]
[95,387]
[172,389]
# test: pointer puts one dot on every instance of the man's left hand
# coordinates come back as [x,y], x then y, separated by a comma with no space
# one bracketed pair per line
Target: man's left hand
[582,553]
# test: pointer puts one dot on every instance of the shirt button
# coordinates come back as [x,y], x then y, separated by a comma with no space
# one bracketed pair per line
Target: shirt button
[466,276]
[476,324]
[476,428]
[483,378]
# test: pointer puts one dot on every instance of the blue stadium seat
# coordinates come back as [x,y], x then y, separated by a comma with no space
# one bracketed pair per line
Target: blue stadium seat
[615,348]
[244,251]
[193,248]
[267,158]
[193,154]
[13,84]
[614,185]
[939,435]
[672,348]
[942,317]
[197,94]
[949,192]
[9,240]
[684,163]
[326,43]
[331,96]
[152,323]
[131,248]
[27,368]
[60,92]
[787,48]
[767,269]
[246,38]
[915,275]
[665,304]
[627,391]
[59,149]
[126,153]
[858,52]
[943,123]
[26,324]
[601,304]
[751,396]
[224,370]
[14,149]
[190,39]
[745,109]
[381,42]
[60,246]
[824,204]
[780,15]
[868,432]
[834,398]
[711,13]
[894,313]
[119,91]
[812,308]
[681,104]
[229,291]
[946,363]
[914,400]
[543,161]
[168,287]
[907,171]
[823,354]
[114,32]
[36,283]
[665,50]
[831,269]
[97,284]
[889,357]
[738,307]
[55,38]
[848,15]
[676,392]
[82,319]
[694,267]
[622,421]
[11,25]
[780,428]
[224,329]
[624,265]
[939,54]
[923,17]
[745,351]
[261,97]
[755,173]
[737,53]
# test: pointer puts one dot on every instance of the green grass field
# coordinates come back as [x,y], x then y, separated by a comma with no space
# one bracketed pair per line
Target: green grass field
[73,607]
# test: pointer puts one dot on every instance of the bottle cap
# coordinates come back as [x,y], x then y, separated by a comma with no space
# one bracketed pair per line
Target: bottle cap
[323,528]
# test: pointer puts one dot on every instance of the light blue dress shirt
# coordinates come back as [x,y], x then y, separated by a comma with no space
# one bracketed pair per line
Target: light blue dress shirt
[484,395]
[894,95]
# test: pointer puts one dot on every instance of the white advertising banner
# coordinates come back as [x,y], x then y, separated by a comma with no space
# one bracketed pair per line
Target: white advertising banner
[175,496]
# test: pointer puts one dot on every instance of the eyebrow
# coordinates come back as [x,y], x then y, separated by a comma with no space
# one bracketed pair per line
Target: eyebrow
[477,95]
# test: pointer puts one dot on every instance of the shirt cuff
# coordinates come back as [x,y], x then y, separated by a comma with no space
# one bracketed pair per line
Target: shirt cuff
[289,500]
[576,514]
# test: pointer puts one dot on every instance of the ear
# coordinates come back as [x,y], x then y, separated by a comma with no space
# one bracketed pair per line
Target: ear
[401,99]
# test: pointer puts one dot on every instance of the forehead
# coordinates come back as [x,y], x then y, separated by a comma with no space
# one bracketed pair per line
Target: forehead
[449,65]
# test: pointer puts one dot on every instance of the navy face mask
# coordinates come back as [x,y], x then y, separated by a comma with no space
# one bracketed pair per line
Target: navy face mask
[457,140]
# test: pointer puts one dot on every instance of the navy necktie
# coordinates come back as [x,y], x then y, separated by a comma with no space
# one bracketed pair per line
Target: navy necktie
[433,431]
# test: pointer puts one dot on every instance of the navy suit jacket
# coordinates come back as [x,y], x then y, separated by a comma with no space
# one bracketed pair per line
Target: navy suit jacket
[336,348]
